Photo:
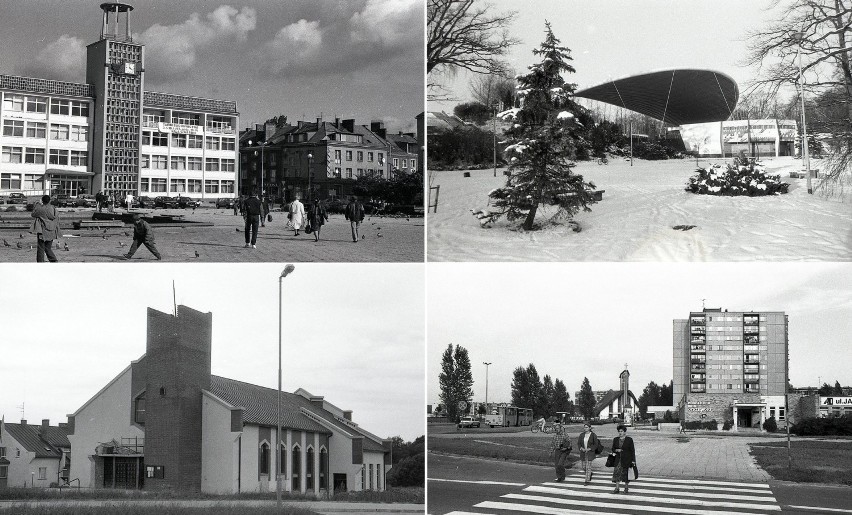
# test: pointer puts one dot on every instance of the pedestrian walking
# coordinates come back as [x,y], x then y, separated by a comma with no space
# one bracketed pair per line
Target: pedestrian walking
[142,235]
[625,458]
[237,205]
[317,217]
[100,198]
[111,203]
[252,211]
[355,214]
[560,448]
[265,214]
[297,215]
[46,228]
[589,446]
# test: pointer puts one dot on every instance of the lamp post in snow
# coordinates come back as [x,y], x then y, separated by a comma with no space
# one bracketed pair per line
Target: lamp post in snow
[800,37]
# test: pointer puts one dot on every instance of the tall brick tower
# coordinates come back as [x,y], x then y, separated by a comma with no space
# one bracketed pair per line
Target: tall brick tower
[114,66]
[178,368]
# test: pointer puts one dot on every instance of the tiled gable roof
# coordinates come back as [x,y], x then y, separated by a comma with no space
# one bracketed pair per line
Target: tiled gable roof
[610,396]
[44,446]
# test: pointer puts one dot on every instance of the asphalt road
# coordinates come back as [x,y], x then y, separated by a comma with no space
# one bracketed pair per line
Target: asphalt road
[459,485]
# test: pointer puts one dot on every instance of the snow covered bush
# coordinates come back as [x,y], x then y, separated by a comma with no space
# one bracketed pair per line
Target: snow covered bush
[739,178]
[544,139]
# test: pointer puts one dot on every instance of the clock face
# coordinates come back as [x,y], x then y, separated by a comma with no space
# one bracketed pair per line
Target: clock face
[130,68]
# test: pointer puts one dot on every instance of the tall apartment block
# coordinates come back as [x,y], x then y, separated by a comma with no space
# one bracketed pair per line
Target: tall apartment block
[731,366]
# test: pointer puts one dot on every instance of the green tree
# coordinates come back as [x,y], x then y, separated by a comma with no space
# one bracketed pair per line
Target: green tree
[526,388]
[545,397]
[838,390]
[667,394]
[651,396]
[561,398]
[544,136]
[825,390]
[455,380]
[586,399]
[473,112]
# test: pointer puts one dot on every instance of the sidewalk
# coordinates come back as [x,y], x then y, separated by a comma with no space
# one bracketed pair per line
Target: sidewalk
[385,240]
[315,506]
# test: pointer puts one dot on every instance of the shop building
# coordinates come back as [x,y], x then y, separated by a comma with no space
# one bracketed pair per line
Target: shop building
[33,456]
[731,366]
[166,423]
[111,134]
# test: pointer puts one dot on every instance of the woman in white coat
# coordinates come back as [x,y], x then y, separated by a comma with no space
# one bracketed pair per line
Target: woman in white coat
[297,215]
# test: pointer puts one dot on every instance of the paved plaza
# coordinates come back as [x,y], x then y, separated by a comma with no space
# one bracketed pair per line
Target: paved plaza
[220,238]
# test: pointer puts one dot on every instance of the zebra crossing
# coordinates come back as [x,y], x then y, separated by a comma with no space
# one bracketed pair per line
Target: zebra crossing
[647,496]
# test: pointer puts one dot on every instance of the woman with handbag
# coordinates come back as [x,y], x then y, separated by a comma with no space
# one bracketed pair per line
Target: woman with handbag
[317,216]
[589,446]
[625,458]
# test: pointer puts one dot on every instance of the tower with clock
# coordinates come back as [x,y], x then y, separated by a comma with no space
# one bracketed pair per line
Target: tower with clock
[115,67]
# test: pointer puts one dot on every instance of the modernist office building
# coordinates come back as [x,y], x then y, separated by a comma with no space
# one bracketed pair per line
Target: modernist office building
[731,366]
[110,133]
[165,422]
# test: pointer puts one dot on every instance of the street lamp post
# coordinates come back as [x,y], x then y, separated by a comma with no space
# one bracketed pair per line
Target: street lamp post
[486,386]
[800,37]
[310,173]
[262,146]
[287,270]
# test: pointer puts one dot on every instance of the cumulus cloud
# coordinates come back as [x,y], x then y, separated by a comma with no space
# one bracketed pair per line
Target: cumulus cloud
[172,49]
[378,33]
[63,59]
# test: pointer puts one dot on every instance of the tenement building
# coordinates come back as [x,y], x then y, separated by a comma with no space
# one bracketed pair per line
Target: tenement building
[166,423]
[111,134]
[731,366]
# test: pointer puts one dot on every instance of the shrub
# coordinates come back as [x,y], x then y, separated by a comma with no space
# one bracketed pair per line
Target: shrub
[652,151]
[710,425]
[832,426]
[770,425]
[10,209]
[411,471]
[727,425]
[740,178]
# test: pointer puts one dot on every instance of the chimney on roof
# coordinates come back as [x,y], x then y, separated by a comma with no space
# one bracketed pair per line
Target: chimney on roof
[319,122]
[317,400]
[378,127]
[268,130]
[349,125]
[258,127]
[23,421]
[300,124]
[347,414]
[63,425]
[337,122]
[45,423]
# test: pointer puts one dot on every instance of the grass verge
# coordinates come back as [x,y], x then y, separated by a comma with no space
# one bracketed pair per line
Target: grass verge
[128,509]
[813,461]
[531,449]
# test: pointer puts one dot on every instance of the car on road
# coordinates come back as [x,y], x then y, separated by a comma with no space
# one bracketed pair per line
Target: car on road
[16,198]
[227,203]
[166,202]
[85,201]
[63,201]
[142,202]
[185,202]
[468,422]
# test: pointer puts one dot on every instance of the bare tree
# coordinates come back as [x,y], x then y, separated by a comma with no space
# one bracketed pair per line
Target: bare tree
[821,31]
[492,88]
[464,34]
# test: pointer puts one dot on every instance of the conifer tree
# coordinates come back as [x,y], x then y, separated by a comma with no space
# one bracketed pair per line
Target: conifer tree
[586,399]
[455,380]
[545,135]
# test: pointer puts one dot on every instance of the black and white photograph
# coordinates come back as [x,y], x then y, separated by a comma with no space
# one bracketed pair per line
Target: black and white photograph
[639,388]
[236,132]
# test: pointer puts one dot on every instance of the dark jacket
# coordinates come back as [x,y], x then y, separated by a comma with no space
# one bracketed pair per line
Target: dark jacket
[253,207]
[628,452]
[355,211]
[594,443]
[317,214]
[142,231]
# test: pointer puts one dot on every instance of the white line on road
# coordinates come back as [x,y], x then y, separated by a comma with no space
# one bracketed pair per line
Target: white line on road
[695,487]
[704,482]
[477,482]
[645,498]
[817,508]
[657,489]
[549,510]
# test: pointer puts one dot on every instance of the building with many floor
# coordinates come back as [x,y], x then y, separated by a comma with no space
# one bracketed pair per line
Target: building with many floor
[110,133]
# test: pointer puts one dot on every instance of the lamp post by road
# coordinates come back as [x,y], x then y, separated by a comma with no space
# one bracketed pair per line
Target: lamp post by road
[287,270]
[262,146]
[310,173]
[486,386]
[800,37]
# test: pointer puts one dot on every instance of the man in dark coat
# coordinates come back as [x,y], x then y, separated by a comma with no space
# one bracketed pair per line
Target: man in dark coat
[46,227]
[252,211]
[142,235]
[355,214]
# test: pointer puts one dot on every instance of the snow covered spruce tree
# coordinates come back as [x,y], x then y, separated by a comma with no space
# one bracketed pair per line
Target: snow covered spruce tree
[544,138]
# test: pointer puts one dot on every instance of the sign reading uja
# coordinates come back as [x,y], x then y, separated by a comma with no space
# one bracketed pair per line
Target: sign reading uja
[835,401]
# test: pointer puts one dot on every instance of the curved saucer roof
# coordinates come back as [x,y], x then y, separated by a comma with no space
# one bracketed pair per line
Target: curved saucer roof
[676,97]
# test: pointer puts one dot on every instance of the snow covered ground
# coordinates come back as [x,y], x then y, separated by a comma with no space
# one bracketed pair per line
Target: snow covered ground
[634,220]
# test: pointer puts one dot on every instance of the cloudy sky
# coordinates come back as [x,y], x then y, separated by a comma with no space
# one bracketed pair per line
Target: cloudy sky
[587,320]
[351,333]
[619,38]
[359,59]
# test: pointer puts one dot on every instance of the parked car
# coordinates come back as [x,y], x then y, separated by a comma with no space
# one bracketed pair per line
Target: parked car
[226,203]
[166,202]
[468,422]
[16,198]
[143,202]
[86,201]
[63,201]
[185,202]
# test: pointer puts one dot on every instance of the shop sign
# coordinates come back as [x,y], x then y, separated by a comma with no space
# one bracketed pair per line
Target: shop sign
[178,128]
[835,401]
[698,406]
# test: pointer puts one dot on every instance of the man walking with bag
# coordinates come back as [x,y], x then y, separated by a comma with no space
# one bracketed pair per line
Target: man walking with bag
[355,214]
[560,447]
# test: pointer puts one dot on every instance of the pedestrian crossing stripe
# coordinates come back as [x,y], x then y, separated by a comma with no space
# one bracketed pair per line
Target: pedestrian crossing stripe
[504,483]
[688,491]
[550,510]
[643,498]
[703,482]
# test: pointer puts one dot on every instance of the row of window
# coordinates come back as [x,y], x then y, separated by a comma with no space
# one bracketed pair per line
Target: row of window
[159,185]
[264,464]
[161,139]
[57,156]
[35,104]
[62,132]
[17,181]
[211,164]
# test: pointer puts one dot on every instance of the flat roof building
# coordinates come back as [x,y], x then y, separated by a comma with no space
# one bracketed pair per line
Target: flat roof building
[731,366]
[111,134]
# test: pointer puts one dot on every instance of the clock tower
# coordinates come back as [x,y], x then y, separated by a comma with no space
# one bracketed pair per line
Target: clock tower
[114,67]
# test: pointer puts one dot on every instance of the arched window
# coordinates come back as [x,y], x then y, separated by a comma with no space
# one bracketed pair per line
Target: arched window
[264,458]
[323,472]
[309,473]
[296,486]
